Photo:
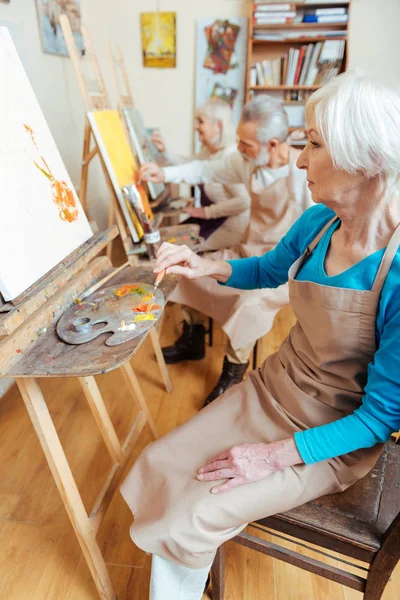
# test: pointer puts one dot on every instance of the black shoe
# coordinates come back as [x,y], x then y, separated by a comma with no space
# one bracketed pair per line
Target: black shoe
[231,375]
[190,346]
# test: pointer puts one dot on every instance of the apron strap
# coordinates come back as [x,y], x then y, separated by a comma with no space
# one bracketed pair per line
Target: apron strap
[387,260]
[314,243]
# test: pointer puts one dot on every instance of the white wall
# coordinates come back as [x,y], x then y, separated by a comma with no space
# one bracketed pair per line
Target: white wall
[374,41]
[166,96]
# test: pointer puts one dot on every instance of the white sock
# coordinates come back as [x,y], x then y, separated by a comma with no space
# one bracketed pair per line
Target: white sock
[170,581]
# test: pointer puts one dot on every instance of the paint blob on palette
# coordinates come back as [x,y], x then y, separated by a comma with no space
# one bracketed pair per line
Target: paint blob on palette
[127,311]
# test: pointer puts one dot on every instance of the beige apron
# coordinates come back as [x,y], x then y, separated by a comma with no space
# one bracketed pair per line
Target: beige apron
[246,316]
[317,376]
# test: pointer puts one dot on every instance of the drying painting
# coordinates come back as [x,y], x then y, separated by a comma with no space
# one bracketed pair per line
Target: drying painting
[221,54]
[143,148]
[221,39]
[42,220]
[122,168]
[49,12]
[159,39]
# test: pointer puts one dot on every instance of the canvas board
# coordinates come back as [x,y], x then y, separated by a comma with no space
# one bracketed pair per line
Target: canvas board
[144,149]
[113,143]
[42,220]
[158,39]
[49,12]
[221,55]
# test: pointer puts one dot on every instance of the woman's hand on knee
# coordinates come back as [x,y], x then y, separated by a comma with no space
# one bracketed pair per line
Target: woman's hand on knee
[183,261]
[249,463]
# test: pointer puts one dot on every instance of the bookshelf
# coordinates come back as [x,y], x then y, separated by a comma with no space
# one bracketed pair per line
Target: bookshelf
[293,58]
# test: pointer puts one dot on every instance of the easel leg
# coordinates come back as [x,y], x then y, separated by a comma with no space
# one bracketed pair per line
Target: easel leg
[85,165]
[138,394]
[110,223]
[55,456]
[102,417]
[160,359]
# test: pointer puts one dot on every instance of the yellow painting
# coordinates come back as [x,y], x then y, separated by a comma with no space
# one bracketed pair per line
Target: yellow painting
[122,168]
[159,39]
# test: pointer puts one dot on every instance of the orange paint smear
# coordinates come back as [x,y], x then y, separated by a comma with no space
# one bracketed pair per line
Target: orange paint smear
[146,308]
[129,289]
[61,194]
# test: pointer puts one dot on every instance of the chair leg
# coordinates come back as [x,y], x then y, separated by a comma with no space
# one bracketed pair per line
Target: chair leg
[384,562]
[255,355]
[218,574]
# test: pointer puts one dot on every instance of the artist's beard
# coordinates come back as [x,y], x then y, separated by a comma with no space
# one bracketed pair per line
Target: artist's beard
[261,160]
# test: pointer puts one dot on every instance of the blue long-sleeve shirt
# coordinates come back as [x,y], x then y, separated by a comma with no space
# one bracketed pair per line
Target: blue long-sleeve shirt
[379,414]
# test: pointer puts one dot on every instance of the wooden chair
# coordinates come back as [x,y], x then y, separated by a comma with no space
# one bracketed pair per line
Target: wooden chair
[362,523]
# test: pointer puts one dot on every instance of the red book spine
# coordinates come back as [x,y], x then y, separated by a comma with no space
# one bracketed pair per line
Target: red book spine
[298,68]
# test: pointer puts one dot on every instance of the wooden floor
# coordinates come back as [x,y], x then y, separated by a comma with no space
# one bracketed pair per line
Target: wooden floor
[39,556]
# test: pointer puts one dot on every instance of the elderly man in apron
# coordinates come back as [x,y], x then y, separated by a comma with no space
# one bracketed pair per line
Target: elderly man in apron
[266,164]
[310,421]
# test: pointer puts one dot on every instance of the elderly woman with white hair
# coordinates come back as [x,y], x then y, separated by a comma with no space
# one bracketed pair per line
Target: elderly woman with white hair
[312,420]
[225,208]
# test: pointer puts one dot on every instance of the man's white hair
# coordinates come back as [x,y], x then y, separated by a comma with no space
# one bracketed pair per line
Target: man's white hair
[358,117]
[219,111]
[270,116]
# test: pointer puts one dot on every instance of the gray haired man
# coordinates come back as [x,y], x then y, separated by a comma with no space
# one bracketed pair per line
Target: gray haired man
[266,164]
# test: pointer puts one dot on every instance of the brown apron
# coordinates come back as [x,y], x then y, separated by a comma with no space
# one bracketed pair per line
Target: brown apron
[245,316]
[316,377]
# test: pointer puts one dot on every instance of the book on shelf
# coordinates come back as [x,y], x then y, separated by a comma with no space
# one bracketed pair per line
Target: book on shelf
[313,64]
[278,7]
[326,18]
[290,35]
[338,10]
[281,13]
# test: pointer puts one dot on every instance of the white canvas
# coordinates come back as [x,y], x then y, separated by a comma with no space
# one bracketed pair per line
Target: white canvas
[34,238]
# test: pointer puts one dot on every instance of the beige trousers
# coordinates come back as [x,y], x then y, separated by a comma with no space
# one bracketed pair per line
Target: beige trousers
[237,357]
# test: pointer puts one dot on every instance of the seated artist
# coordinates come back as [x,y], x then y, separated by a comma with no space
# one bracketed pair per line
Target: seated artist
[266,164]
[311,420]
[225,208]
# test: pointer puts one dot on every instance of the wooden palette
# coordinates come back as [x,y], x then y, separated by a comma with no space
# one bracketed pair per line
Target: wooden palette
[125,311]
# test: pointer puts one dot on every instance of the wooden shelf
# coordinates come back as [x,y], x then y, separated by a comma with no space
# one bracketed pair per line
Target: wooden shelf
[285,87]
[300,26]
[299,40]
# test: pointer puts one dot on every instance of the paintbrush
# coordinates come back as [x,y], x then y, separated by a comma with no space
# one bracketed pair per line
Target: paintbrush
[159,279]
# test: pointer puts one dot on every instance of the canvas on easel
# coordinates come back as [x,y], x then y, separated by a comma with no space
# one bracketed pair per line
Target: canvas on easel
[139,135]
[42,220]
[144,149]
[113,144]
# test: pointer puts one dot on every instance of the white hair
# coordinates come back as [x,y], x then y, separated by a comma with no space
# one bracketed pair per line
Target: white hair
[358,117]
[270,117]
[219,111]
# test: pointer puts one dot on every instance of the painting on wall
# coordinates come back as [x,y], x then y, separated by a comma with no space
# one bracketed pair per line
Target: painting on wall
[221,55]
[122,168]
[142,146]
[42,220]
[49,12]
[158,39]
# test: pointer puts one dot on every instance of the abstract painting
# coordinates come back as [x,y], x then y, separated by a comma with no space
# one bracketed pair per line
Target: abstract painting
[221,39]
[122,168]
[42,220]
[49,12]
[221,55]
[224,93]
[143,148]
[159,39]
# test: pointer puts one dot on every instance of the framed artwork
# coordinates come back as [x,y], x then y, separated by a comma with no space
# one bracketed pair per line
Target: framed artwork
[122,168]
[143,148]
[49,12]
[221,61]
[42,220]
[158,39]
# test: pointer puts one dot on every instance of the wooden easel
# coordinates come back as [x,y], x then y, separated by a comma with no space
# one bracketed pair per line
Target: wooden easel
[95,97]
[31,349]
[121,77]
